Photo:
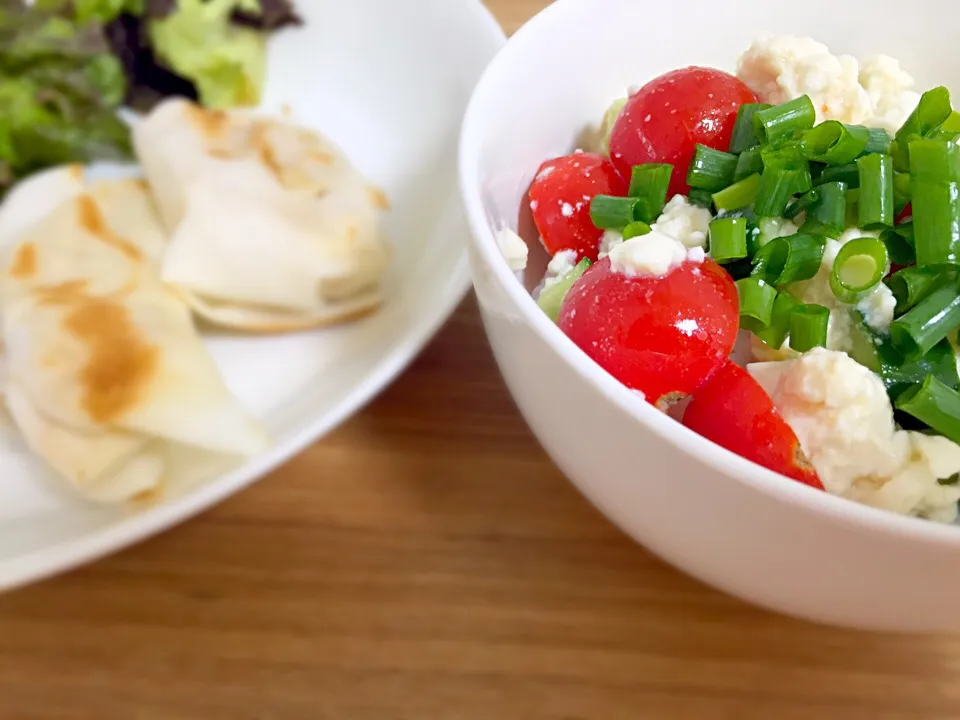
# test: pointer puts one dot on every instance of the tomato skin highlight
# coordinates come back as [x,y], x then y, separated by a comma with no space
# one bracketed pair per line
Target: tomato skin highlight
[735,412]
[560,197]
[663,336]
[667,117]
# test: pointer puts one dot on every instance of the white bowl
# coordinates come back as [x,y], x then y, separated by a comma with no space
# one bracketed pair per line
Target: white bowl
[720,518]
[393,93]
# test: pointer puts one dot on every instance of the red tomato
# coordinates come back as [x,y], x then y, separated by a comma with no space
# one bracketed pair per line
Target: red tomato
[734,411]
[560,200]
[663,336]
[667,117]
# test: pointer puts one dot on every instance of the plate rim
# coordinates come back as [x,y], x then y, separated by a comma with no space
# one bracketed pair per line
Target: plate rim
[37,565]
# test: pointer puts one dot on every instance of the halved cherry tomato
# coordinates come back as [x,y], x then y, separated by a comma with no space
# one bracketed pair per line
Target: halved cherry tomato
[667,117]
[734,411]
[905,214]
[663,336]
[560,199]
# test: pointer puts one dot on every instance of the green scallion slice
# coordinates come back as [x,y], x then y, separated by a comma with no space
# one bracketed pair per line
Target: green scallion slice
[701,198]
[808,327]
[776,331]
[728,239]
[649,184]
[744,134]
[802,204]
[900,375]
[551,298]
[635,229]
[777,185]
[849,175]
[902,192]
[711,169]
[739,195]
[879,142]
[756,302]
[876,202]
[612,213]
[935,184]
[934,404]
[790,259]
[827,215]
[929,322]
[749,162]
[931,112]
[859,267]
[911,285]
[899,242]
[780,121]
[834,143]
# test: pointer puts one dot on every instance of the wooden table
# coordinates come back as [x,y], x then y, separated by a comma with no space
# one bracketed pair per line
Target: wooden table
[432,563]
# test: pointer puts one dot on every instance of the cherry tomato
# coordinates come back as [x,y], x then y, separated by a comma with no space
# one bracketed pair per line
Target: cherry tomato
[667,117]
[734,411]
[663,336]
[560,200]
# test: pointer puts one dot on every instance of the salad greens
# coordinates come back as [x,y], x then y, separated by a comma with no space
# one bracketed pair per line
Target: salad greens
[66,67]
[227,63]
[59,91]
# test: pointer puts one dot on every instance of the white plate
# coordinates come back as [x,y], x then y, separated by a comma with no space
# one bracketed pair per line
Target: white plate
[389,81]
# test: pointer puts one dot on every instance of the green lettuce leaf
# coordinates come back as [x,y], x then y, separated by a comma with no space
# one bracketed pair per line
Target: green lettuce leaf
[59,92]
[227,63]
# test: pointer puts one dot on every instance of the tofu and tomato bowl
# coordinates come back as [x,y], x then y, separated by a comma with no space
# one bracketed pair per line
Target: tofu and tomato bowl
[744,256]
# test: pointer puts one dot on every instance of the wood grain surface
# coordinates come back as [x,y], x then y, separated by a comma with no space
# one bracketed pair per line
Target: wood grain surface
[427,561]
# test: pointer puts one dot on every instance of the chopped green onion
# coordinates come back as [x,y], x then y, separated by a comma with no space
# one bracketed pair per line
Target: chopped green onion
[935,404]
[777,186]
[879,142]
[912,284]
[834,143]
[756,302]
[551,298]
[859,267]
[790,259]
[649,183]
[849,175]
[804,257]
[784,153]
[776,331]
[711,169]
[739,195]
[744,134]
[783,120]
[899,242]
[728,239]
[701,198]
[876,191]
[853,207]
[902,192]
[802,204]
[900,375]
[769,261]
[827,215]
[612,213]
[950,129]
[749,162]
[808,327]
[935,181]
[931,112]
[952,123]
[635,229]
[929,322]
